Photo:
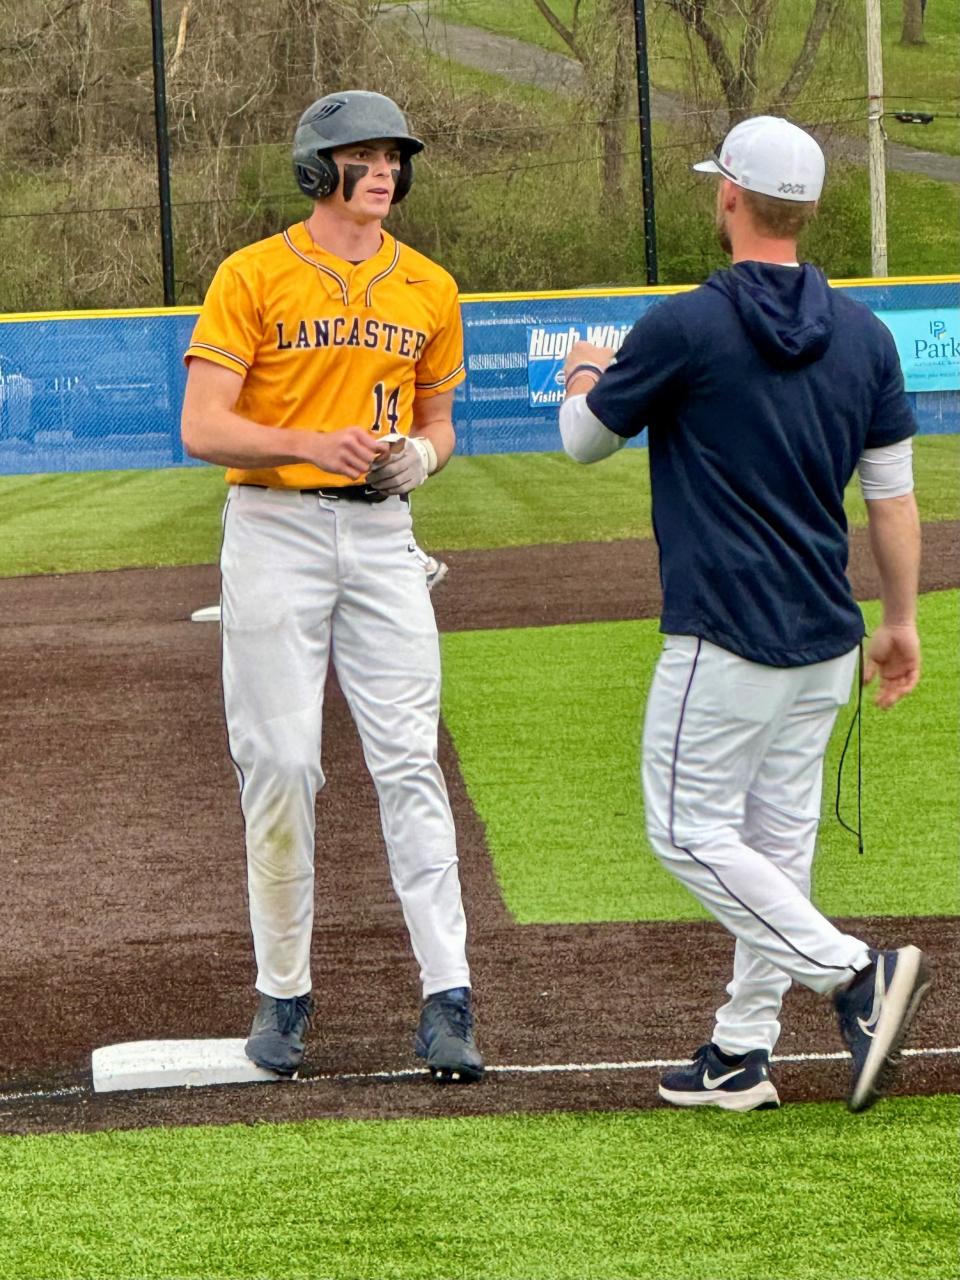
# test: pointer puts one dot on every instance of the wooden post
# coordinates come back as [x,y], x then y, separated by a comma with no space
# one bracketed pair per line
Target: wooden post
[875,142]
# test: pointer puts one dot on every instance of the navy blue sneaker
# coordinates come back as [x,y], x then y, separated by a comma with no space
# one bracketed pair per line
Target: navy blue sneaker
[710,1082]
[445,1037]
[279,1033]
[875,1010]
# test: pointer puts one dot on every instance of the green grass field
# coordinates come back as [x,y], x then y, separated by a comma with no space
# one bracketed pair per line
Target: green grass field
[118,519]
[807,1193]
[549,719]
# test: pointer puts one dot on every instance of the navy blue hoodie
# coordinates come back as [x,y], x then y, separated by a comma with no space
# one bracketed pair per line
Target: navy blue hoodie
[761,389]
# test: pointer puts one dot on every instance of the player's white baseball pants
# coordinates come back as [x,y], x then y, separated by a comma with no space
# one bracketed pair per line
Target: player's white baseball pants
[305,578]
[732,774]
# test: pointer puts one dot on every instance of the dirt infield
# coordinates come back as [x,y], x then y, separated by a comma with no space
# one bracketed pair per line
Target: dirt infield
[123,879]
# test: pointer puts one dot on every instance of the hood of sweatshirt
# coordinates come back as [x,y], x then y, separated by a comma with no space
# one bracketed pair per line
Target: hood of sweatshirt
[786,311]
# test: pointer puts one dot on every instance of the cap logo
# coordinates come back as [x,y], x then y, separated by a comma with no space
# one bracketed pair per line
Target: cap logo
[328,109]
[791,188]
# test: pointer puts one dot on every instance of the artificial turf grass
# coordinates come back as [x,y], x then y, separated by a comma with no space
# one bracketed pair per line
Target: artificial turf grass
[806,1193]
[117,519]
[547,720]
[97,520]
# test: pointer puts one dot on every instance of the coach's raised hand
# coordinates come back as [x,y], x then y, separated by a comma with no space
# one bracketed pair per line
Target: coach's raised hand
[585,357]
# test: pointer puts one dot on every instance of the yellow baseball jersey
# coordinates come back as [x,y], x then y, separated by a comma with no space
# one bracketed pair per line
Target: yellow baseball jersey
[324,344]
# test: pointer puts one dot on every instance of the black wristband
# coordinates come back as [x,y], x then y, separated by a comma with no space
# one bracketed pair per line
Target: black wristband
[584,366]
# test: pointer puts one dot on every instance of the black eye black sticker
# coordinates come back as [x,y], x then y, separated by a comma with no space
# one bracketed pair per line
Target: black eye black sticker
[352,173]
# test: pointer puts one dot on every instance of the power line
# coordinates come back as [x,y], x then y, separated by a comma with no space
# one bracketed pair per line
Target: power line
[269,198]
[494,132]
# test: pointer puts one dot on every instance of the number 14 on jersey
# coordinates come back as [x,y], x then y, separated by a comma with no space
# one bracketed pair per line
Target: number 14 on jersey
[385,405]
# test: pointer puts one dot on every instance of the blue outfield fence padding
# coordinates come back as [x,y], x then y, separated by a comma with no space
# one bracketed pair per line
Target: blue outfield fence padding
[92,391]
[98,391]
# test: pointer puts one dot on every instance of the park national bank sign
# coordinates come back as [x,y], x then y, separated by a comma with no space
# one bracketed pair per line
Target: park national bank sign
[928,342]
[929,347]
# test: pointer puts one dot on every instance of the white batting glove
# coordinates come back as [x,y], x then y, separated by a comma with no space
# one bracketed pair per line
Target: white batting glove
[399,472]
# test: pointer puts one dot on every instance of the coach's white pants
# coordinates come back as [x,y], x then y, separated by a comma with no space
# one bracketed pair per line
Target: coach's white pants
[306,578]
[732,773]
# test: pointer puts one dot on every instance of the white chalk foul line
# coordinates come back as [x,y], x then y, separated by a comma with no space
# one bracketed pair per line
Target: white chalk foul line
[645,1064]
[45,1095]
[527,1069]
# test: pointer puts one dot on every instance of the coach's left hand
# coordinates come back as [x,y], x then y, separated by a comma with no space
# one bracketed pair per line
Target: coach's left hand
[396,473]
[893,653]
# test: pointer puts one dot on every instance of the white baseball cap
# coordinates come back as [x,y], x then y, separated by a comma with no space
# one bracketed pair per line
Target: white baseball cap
[772,156]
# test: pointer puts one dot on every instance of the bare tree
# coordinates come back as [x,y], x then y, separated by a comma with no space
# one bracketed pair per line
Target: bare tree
[603,47]
[913,13]
[821,20]
[67,82]
[737,71]
[611,88]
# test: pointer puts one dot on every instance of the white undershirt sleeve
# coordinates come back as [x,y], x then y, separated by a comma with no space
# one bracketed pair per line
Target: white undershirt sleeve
[584,436]
[887,472]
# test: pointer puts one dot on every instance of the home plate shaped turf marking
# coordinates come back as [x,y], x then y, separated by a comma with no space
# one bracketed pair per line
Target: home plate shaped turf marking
[162,1064]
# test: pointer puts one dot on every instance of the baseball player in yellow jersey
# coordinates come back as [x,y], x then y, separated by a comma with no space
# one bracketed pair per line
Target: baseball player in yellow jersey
[312,347]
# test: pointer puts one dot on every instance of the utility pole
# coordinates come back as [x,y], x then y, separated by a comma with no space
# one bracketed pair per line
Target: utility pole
[163,152]
[875,142]
[646,143]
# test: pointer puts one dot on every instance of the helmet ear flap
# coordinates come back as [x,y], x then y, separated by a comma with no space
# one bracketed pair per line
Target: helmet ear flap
[404,181]
[319,179]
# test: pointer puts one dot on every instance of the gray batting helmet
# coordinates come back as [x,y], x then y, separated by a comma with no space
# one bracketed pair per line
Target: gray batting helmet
[338,120]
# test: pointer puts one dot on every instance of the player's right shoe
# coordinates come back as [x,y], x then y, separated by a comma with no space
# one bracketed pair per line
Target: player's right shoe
[710,1082]
[875,1010]
[445,1037]
[279,1033]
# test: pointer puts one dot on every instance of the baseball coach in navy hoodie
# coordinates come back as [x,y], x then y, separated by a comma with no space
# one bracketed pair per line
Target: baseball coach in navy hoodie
[763,391]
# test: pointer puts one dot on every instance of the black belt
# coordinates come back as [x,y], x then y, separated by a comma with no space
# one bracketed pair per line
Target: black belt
[345,492]
[353,493]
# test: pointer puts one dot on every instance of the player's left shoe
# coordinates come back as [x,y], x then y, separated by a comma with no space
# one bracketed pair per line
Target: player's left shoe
[708,1081]
[445,1037]
[279,1032]
[875,1010]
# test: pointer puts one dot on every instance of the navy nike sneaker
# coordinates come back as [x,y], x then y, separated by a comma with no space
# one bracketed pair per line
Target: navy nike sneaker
[875,1010]
[710,1082]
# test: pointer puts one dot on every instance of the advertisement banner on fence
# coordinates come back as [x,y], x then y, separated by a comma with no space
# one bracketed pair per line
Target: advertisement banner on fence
[928,343]
[929,347]
[547,348]
[102,391]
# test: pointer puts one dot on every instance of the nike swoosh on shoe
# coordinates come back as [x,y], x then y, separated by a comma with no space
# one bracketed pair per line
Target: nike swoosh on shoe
[869,1026]
[714,1082]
